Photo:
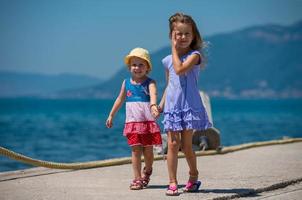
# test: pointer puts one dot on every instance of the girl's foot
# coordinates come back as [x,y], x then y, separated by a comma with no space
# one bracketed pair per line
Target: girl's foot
[136,184]
[146,177]
[172,190]
[192,186]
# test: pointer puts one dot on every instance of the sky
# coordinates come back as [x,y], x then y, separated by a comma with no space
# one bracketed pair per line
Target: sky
[92,37]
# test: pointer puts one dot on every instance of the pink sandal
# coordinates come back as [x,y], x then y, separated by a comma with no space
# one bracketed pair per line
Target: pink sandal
[136,184]
[146,177]
[192,186]
[172,190]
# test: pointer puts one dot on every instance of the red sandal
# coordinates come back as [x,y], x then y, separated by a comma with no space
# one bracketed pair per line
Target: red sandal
[146,177]
[136,184]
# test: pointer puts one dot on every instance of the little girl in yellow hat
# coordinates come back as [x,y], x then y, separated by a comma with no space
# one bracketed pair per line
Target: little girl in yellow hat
[141,130]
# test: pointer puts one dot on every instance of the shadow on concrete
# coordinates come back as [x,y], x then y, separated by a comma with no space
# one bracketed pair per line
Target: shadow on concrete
[240,192]
[162,186]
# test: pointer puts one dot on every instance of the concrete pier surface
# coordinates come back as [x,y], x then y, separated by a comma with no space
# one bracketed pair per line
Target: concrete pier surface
[267,172]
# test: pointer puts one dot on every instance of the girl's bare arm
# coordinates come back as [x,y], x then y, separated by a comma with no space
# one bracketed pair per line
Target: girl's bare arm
[117,105]
[182,67]
[162,101]
[153,99]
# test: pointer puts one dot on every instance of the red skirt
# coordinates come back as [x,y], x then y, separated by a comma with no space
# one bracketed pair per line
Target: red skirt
[148,139]
[143,133]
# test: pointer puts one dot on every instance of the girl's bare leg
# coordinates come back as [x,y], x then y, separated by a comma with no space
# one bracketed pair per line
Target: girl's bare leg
[136,161]
[147,171]
[186,144]
[172,159]
[148,157]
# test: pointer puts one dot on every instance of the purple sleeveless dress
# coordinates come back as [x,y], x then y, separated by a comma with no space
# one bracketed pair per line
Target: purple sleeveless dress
[183,105]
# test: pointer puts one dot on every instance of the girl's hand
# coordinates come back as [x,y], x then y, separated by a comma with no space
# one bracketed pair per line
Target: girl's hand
[109,122]
[173,39]
[154,111]
[159,108]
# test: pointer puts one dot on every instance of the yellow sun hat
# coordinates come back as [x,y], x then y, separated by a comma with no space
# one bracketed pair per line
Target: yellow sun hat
[140,53]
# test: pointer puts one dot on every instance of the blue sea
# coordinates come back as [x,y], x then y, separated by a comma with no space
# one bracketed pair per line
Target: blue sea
[62,130]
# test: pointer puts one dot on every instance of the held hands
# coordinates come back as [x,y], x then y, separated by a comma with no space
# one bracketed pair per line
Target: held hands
[154,111]
[109,122]
[159,108]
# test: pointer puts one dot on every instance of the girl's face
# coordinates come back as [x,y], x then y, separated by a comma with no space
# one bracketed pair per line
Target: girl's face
[183,34]
[138,67]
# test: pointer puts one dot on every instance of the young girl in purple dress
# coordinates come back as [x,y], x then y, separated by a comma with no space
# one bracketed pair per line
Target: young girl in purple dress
[183,107]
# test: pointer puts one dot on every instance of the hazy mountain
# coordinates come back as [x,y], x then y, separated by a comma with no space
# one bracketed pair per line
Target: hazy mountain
[15,84]
[256,62]
[259,62]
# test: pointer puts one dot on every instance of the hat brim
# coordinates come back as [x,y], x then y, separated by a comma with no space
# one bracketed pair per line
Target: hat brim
[128,57]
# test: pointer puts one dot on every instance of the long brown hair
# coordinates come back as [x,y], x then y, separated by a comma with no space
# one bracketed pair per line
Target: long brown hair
[197,42]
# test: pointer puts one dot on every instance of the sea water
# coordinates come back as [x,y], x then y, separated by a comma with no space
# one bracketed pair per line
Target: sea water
[69,130]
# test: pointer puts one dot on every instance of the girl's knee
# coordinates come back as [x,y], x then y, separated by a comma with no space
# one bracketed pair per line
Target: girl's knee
[148,151]
[174,145]
[187,149]
[136,150]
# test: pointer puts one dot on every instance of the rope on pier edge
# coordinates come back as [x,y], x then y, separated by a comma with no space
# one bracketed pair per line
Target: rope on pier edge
[119,161]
